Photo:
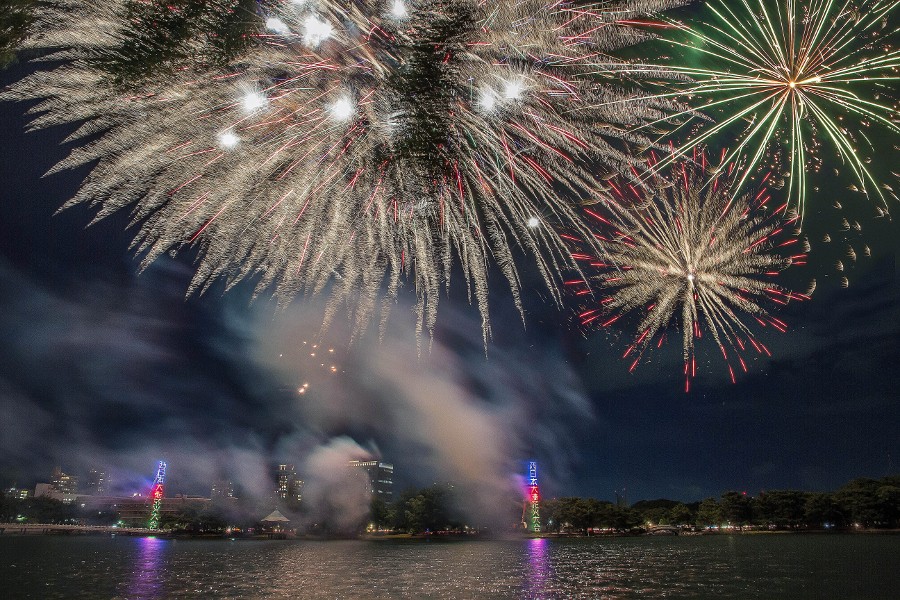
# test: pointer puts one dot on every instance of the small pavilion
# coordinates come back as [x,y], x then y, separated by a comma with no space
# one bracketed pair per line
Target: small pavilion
[275,522]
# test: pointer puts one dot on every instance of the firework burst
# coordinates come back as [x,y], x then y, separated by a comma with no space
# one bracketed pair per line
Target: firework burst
[681,252]
[793,75]
[357,144]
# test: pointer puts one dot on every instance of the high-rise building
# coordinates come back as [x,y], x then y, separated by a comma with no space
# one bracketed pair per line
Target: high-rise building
[98,483]
[62,487]
[65,484]
[288,486]
[222,489]
[380,477]
[284,475]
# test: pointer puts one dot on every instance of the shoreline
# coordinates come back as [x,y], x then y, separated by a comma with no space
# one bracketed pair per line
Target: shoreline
[51,530]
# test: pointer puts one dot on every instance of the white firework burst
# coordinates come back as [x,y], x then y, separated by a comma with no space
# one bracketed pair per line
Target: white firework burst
[682,254]
[358,145]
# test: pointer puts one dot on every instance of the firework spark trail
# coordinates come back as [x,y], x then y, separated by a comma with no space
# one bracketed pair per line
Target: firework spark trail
[796,71]
[357,144]
[683,251]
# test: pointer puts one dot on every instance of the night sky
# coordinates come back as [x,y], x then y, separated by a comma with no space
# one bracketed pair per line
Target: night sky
[103,365]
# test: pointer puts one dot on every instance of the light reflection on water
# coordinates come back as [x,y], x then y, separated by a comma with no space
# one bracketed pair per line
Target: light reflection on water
[147,576]
[536,582]
[748,567]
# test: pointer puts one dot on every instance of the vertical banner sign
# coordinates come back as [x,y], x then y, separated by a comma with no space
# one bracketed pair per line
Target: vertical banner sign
[534,499]
[156,495]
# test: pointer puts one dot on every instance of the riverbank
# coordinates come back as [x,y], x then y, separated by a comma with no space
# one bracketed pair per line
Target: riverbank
[29,530]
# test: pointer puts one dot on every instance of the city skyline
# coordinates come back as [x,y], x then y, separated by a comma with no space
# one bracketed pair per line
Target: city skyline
[285,483]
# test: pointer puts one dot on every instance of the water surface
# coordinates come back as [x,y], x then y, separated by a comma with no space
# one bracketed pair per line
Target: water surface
[717,567]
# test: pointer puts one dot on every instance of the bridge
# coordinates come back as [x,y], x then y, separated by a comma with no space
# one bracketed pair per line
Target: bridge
[55,529]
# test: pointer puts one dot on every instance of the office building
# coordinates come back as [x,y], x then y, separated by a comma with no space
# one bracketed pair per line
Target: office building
[97,483]
[222,489]
[65,484]
[17,494]
[380,476]
[288,486]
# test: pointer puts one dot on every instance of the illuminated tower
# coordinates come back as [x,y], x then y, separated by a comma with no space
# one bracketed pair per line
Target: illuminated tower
[532,500]
[156,495]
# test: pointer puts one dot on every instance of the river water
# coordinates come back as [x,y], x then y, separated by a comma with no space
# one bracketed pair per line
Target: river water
[794,566]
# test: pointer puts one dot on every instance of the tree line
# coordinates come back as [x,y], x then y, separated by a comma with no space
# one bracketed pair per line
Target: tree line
[428,509]
[861,503]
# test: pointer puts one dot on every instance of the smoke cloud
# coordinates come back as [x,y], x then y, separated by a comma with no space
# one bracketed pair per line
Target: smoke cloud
[451,415]
[337,497]
[118,375]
